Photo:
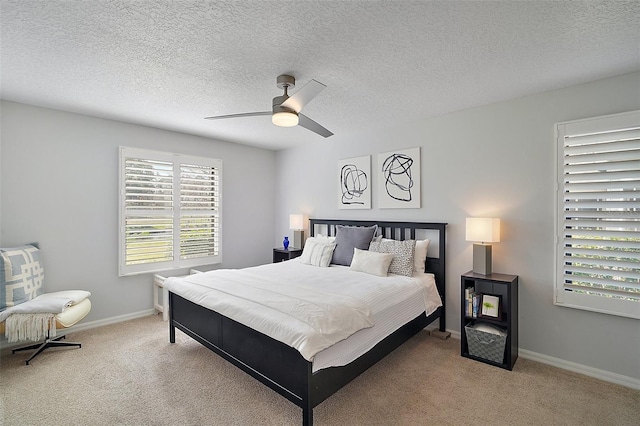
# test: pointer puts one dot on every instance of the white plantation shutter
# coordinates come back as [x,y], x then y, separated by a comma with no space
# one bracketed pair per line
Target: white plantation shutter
[169,211]
[148,204]
[199,209]
[598,227]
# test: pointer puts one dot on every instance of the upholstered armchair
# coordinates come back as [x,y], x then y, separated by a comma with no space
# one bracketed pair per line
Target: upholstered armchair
[26,311]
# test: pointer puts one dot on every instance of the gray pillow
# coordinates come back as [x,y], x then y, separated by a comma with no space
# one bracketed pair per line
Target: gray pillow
[348,238]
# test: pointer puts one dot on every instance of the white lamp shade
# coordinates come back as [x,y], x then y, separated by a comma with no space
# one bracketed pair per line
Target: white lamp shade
[483,229]
[284,119]
[296,221]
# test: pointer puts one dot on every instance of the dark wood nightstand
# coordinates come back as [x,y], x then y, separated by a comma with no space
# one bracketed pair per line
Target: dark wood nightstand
[506,288]
[281,254]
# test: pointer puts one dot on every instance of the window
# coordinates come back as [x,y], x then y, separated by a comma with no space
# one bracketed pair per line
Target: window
[598,214]
[169,211]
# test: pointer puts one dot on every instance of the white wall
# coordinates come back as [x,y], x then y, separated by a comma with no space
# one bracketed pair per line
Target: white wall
[0,171]
[498,161]
[59,187]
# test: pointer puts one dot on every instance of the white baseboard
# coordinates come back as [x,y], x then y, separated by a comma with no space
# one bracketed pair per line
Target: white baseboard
[596,373]
[108,321]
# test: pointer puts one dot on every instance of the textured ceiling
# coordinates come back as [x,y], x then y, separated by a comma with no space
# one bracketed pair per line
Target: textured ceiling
[170,64]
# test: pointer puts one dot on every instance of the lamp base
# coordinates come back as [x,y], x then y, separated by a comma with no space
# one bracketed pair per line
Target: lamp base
[298,239]
[482,259]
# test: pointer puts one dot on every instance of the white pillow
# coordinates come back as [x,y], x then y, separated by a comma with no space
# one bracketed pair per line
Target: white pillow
[324,238]
[422,246]
[317,252]
[371,262]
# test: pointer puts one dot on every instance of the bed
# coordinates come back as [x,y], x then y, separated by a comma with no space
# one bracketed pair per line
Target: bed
[283,368]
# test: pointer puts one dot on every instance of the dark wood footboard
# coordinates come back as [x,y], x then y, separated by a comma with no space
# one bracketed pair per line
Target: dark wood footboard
[275,364]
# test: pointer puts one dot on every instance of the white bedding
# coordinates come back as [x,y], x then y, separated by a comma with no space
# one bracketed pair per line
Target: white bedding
[388,317]
[310,308]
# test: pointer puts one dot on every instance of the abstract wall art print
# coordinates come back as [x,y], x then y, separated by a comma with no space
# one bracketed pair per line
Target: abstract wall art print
[355,183]
[399,179]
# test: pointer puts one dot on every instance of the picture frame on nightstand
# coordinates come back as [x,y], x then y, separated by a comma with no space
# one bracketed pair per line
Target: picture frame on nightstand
[490,307]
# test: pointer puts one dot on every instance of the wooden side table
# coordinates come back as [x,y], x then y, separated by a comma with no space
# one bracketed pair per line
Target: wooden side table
[501,285]
[280,254]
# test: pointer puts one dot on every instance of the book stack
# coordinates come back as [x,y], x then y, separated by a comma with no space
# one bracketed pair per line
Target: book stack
[472,302]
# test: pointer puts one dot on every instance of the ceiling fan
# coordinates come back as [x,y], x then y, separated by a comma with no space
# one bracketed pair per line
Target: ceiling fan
[286,109]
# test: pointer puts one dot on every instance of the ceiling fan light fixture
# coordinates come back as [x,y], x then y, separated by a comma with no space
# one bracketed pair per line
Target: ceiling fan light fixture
[285,119]
[285,111]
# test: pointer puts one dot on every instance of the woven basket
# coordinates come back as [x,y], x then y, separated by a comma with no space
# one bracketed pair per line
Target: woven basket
[486,345]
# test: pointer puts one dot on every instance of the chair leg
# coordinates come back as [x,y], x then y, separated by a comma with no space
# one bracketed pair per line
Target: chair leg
[48,343]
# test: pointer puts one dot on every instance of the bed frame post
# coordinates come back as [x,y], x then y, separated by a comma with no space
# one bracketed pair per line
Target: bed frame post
[307,416]
[442,286]
[307,403]
[444,334]
[172,328]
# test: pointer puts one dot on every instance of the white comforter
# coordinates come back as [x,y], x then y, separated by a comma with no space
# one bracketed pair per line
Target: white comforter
[306,307]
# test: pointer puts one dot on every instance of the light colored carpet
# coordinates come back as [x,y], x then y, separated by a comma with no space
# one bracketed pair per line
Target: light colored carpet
[129,374]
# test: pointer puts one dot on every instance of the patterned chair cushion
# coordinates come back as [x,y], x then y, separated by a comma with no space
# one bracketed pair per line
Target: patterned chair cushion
[21,275]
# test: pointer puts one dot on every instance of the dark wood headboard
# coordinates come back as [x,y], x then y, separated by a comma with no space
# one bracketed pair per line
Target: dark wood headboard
[398,231]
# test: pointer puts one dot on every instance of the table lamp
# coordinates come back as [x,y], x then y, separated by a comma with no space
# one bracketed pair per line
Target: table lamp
[296,223]
[482,230]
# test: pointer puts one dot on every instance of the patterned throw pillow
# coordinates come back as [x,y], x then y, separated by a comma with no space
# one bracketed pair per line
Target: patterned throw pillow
[348,238]
[21,275]
[403,253]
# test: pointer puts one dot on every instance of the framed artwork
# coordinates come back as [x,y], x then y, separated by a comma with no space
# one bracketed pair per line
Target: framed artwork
[354,183]
[490,306]
[399,179]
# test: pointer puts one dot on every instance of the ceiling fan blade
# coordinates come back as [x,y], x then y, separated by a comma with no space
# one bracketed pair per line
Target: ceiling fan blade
[309,124]
[246,114]
[304,95]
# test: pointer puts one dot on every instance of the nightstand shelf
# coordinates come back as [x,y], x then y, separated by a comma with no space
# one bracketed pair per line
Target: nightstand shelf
[506,287]
[281,254]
